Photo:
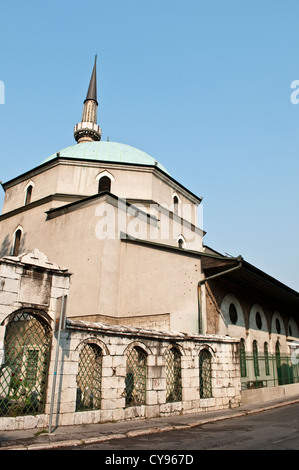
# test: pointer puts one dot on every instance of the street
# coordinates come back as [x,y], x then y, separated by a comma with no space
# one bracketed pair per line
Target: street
[277,429]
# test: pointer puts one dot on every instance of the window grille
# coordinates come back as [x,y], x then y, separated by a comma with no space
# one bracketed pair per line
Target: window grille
[24,373]
[256,359]
[173,376]
[89,378]
[205,374]
[243,358]
[135,382]
[266,354]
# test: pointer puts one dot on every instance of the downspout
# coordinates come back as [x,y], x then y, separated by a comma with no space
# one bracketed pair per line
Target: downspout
[199,290]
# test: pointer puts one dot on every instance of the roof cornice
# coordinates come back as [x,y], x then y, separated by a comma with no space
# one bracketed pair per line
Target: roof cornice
[78,161]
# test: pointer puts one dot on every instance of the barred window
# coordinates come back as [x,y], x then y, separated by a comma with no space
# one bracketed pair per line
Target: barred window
[277,353]
[24,371]
[255,359]
[135,381]
[205,374]
[89,378]
[173,376]
[243,358]
[266,354]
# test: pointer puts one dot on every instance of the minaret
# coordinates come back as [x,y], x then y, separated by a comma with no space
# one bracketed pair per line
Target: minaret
[87,130]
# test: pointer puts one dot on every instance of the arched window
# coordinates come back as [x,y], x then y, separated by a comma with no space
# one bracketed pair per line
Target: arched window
[278,363]
[255,358]
[277,325]
[266,355]
[173,376]
[89,378]
[175,205]
[205,374]
[135,382]
[181,242]
[28,195]
[104,184]
[277,352]
[24,371]
[243,358]
[17,242]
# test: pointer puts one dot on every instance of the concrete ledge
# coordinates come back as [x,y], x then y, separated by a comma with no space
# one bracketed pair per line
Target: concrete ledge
[262,395]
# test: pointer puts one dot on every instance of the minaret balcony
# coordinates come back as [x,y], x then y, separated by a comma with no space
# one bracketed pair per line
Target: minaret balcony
[87,131]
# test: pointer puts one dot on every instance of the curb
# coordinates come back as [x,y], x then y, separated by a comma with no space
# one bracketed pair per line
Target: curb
[143,432]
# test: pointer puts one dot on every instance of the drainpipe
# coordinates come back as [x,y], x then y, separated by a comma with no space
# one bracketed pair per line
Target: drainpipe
[199,290]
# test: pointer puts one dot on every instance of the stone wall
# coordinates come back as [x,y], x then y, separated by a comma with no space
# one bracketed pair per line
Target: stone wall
[33,273]
[153,322]
[115,342]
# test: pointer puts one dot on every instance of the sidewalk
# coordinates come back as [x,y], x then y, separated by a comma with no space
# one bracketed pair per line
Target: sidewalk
[82,434]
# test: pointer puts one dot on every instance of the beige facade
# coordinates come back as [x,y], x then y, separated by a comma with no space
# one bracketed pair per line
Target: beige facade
[127,242]
[31,286]
[85,231]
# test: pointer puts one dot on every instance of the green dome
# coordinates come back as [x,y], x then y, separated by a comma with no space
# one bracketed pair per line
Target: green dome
[107,152]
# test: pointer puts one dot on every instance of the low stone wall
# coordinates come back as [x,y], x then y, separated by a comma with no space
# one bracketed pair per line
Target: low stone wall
[114,342]
[263,395]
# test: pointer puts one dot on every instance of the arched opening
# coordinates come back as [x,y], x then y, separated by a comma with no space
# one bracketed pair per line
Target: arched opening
[255,358]
[243,358]
[28,195]
[205,374]
[175,205]
[17,242]
[24,372]
[89,378]
[173,375]
[266,356]
[104,184]
[135,381]
[181,242]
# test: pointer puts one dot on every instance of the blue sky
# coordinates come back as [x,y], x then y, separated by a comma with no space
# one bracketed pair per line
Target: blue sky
[202,86]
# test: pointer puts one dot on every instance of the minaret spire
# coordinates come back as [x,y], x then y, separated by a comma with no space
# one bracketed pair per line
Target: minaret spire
[87,130]
[92,90]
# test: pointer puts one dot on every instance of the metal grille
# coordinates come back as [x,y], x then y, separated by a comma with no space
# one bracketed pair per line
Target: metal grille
[243,358]
[89,378]
[205,374]
[24,373]
[274,369]
[267,363]
[256,359]
[135,382]
[173,376]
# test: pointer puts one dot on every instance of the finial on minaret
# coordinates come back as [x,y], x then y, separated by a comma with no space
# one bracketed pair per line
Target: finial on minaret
[87,130]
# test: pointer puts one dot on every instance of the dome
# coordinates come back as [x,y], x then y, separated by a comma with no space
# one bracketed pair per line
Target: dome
[108,152]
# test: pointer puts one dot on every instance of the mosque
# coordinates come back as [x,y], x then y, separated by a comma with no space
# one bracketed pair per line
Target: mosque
[103,266]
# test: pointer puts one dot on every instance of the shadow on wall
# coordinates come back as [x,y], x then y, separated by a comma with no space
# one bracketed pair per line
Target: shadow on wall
[6,248]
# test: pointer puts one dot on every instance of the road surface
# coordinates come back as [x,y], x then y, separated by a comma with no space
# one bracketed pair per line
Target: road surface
[277,429]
